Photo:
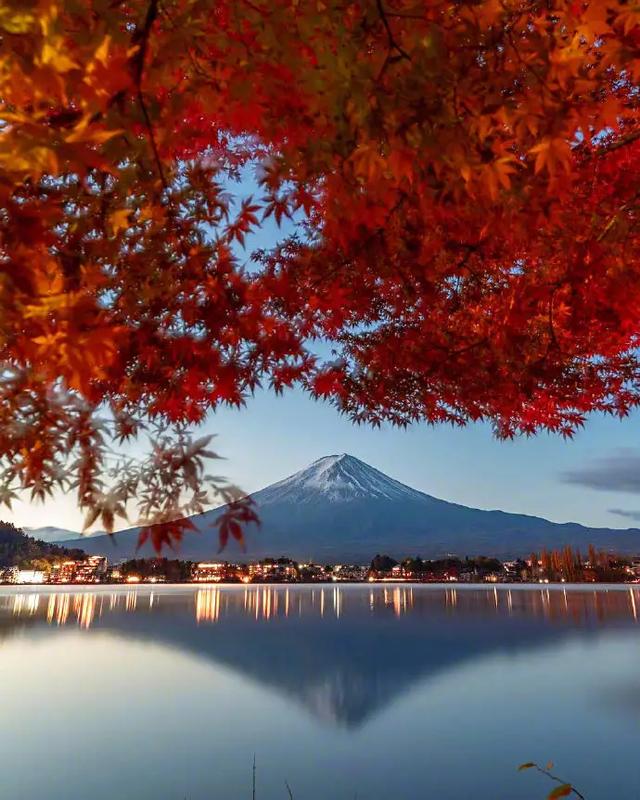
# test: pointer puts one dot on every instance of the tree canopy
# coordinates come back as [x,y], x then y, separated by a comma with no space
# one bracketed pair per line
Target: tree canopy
[463,180]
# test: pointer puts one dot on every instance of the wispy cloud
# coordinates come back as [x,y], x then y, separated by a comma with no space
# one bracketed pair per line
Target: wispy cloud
[621,512]
[617,472]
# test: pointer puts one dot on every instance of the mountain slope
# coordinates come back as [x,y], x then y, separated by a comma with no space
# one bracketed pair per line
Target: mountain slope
[341,509]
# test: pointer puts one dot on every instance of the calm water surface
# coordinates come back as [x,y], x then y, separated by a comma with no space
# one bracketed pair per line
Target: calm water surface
[380,693]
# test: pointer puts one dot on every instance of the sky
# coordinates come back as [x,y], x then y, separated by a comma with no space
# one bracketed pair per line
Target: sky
[590,479]
[593,479]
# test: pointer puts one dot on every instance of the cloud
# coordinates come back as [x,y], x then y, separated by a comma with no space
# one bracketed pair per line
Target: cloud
[618,472]
[627,514]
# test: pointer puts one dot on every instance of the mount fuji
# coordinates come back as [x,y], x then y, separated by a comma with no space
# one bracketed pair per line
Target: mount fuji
[340,509]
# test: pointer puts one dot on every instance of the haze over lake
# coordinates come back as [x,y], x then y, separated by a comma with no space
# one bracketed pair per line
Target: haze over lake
[374,692]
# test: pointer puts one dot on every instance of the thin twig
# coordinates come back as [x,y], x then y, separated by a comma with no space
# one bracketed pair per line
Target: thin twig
[555,778]
[141,38]
[612,220]
[253,782]
[286,783]
[152,138]
[393,45]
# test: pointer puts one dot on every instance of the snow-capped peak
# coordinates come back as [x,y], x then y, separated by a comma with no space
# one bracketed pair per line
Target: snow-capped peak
[336,478]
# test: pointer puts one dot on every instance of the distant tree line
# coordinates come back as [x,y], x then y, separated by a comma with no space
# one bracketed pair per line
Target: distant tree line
[564,564]
[165,569]
[431,568]
[569,565]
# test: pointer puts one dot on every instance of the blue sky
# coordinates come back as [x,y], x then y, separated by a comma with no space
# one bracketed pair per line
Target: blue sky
[274,436]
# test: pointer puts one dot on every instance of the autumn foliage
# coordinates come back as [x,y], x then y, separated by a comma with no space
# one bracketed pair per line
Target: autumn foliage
[461,178]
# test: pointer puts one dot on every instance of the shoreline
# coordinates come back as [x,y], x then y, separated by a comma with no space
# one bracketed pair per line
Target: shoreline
[155,587]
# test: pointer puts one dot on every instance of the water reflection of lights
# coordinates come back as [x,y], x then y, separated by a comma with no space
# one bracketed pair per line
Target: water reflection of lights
[85,609]
[270,602]
[82,607]
[208,605]
[58,609]
[26,605]
[451,598]
[399,598]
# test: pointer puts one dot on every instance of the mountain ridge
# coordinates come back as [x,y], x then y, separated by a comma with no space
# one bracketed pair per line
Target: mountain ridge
[51,534]
[340,509]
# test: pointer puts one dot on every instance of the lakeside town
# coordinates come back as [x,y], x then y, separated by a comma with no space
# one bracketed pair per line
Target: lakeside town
[556,566]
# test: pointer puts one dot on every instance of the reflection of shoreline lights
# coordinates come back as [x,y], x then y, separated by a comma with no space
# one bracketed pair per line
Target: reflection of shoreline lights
[451,598]
[400,598]
[337,602]
[266,603]
[85,609]
[26,605]
[207,605]
[580,606]
[397,602]
[58,609]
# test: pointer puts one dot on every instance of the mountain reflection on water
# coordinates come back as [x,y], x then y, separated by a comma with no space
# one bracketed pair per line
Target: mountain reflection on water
[342,652]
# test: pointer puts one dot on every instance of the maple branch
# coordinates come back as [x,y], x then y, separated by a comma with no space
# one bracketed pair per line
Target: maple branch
[528,66]
[152,139]
[623,141]
[391,42]
[404,15]
[437,366]
[612,220]
[552,326]
[141,36]
[254,7]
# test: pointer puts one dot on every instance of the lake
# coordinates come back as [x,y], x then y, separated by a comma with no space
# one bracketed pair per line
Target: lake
[366,692]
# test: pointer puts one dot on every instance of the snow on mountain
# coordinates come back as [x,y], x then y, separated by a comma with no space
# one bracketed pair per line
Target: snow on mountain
[341,510]
[336,479]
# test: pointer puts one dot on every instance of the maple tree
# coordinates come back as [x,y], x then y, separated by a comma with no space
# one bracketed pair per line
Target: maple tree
[462,180]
